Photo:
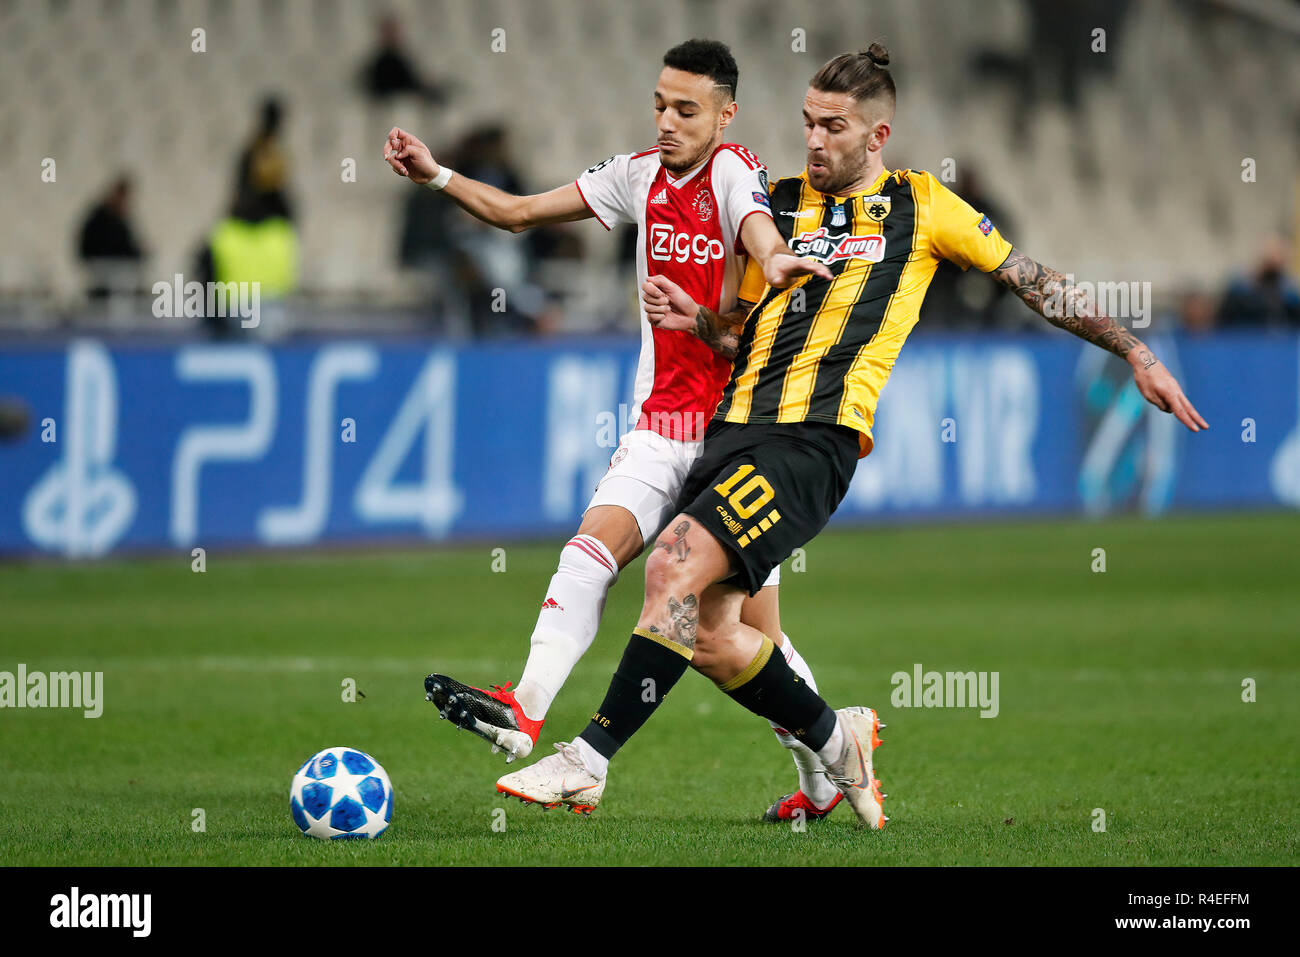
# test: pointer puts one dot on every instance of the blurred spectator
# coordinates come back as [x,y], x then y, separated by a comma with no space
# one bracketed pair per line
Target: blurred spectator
[390,71]
[108,246]
[967,299]
[629,237]
[250,245]
[14,418]
[1267,297]
[263,171]
[425,226]
[1196,313]
[484,277]
[1057,60]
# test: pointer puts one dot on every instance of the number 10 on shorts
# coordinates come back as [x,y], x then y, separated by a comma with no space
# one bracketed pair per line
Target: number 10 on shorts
[748,498]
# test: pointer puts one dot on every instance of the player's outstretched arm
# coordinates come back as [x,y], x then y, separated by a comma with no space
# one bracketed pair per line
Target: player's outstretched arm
[780,265]
[409,157]
[668,306]
[1064,305]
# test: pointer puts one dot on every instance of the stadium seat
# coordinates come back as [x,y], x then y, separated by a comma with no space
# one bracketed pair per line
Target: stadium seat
[574,88]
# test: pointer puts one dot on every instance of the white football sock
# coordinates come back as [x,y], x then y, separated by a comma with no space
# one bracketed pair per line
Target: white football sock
[813,780]
[567,624]
[596,762]
[834,746]
[796,662]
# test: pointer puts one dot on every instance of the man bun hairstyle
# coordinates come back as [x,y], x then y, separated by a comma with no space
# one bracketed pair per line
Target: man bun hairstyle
[706,58]
[863,75]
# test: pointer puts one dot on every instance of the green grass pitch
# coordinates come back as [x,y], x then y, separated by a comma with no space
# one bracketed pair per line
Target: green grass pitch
[1120,691]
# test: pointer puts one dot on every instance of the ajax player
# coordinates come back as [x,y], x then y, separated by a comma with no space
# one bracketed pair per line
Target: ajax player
[701,207]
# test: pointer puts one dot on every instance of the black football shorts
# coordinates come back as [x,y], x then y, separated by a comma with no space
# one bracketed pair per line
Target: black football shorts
[764,490]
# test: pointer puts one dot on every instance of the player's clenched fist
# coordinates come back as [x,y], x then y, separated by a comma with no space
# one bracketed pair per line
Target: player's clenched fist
[667,305]
[409,157]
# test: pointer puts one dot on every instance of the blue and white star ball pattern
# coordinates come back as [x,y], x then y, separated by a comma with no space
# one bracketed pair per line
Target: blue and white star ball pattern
[341,793]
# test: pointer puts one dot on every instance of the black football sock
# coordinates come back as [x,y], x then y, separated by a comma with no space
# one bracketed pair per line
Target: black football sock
[770,688]
[650,667]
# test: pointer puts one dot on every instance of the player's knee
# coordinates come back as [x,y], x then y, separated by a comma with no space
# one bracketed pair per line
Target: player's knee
[705,658]
[666,575]
[708,650]
[717,654]
[656,574]
[718,615]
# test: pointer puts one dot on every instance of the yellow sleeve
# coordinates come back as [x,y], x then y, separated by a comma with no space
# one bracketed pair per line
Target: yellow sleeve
[754,284]
[962,234]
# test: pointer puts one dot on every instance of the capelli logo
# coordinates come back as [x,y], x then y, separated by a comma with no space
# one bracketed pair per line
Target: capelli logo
[74,909]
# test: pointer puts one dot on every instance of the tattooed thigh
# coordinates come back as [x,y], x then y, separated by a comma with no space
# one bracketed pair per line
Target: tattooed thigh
[674,544]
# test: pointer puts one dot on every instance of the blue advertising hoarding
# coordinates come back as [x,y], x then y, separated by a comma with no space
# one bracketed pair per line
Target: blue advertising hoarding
[175,446]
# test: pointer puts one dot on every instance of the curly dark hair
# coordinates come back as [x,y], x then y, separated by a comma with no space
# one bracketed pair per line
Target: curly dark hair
[706,58]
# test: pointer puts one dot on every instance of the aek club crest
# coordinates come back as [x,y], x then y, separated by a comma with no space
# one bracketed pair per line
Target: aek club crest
[876,208]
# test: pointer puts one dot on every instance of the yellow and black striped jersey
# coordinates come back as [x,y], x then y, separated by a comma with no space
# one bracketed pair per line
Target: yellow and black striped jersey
[821,350]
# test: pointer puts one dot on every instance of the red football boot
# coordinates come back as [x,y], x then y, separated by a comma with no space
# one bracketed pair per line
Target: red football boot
[493,715]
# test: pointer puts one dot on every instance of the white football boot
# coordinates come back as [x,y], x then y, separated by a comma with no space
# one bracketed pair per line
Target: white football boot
[852,771]
[562,778]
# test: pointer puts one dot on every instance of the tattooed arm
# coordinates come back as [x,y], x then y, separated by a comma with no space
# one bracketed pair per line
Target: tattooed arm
[1064,305]
[668,306]
[1061,303]
[721,333]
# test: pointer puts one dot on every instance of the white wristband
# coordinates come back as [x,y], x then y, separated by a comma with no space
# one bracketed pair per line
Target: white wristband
[440,181]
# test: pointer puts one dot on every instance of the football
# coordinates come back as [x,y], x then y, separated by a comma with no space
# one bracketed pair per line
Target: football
[340,793]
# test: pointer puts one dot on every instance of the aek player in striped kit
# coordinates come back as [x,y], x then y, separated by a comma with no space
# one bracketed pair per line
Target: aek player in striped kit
[702,210]
[795,417]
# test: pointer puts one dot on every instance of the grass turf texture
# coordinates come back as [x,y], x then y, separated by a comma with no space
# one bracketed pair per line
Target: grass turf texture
[1119,691]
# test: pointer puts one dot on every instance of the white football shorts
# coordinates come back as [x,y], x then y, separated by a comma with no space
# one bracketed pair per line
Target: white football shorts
[646,474]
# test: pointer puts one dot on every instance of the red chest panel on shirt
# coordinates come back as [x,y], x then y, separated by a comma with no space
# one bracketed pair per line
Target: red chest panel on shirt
[684,242]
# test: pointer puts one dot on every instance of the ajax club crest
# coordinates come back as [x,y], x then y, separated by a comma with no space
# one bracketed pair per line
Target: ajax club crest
[704,205]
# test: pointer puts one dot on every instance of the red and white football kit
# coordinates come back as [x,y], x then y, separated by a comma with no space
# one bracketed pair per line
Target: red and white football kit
[688,231]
